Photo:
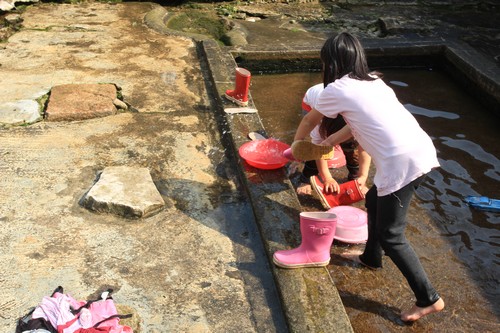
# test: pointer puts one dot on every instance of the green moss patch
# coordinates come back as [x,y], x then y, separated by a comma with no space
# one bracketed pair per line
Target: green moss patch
[198,22]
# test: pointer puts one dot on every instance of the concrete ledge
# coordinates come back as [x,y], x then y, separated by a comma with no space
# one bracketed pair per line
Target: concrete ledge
[310,299]
[478,75]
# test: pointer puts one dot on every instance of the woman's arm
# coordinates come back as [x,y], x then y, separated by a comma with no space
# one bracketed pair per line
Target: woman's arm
[307,124]
[340,136]
[364,166]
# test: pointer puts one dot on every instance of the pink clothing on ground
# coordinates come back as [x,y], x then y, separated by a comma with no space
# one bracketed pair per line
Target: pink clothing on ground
[97,312]
[390,134]
[56,309]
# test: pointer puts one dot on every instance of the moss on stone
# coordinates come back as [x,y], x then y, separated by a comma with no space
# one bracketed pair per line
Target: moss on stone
[198,22]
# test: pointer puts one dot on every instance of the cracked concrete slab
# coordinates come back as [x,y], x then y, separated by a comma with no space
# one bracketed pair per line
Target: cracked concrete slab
[124,191]
[81,101]
[20,112]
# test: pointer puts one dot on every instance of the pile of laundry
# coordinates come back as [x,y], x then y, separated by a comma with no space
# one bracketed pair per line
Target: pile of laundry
[61,313]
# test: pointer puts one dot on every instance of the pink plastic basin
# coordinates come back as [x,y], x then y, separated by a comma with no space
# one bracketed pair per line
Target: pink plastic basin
[352,224]
[264,154]
[338,159]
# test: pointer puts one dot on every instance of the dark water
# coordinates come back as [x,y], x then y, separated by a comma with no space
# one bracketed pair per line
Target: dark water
[458,246]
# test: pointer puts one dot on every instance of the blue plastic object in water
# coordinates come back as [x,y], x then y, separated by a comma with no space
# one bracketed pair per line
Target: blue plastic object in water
[483,203]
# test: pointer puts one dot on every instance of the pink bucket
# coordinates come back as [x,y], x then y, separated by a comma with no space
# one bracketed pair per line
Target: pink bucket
[338,159]
[352,224]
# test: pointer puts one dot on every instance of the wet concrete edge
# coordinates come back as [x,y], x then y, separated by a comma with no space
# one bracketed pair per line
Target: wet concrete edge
[309,297]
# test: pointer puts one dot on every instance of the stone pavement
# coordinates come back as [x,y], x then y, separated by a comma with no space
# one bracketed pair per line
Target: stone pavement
[198,265]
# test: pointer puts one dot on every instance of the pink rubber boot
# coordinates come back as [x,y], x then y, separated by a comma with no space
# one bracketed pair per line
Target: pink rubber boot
[349,193]
[317,230]
[242,84]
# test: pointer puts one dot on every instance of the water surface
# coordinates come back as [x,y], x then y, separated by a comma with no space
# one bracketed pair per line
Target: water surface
[459,246]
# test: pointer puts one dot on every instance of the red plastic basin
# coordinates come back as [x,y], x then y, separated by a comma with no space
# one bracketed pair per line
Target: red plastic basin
[264,154]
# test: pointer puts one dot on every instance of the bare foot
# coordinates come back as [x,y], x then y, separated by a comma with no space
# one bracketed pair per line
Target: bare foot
[415,313]
[295,167]
[304,189]
[354,257]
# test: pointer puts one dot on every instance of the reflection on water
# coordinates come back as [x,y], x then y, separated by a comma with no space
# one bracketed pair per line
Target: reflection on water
[430,113]
[398,83]
[476,152]
[459,246]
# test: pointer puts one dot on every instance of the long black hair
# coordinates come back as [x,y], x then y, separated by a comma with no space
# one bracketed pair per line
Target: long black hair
[342,55]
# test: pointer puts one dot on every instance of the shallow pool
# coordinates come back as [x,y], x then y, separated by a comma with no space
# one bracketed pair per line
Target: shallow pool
[458,246]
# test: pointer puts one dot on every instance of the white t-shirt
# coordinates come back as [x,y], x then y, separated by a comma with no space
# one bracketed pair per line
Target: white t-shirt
[399,148]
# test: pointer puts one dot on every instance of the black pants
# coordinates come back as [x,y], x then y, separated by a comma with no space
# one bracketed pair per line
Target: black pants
[386,232]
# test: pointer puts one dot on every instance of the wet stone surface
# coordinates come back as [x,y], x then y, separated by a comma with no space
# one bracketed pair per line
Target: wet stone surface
[294,23]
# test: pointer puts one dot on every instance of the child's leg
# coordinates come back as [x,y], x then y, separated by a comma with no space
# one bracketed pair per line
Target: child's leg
[391,218]
[350,149]
[310,169]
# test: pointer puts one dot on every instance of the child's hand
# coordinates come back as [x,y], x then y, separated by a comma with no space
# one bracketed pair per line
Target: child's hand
[331,186]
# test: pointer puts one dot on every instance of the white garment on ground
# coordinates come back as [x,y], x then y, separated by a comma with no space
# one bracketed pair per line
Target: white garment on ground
[390,134]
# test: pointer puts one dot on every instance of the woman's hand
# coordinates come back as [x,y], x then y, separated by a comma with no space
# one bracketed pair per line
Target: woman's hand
[331,186]
[364,167]
[362,184]
[361,180]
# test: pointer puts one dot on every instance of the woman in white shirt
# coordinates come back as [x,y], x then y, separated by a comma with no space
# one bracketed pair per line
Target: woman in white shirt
[400,150]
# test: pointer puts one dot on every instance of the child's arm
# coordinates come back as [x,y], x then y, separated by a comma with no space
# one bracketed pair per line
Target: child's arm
[310,120]
[330,184]
[340,136]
